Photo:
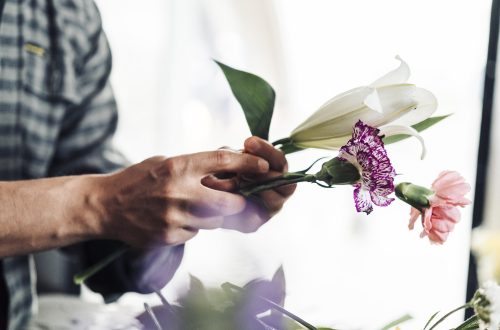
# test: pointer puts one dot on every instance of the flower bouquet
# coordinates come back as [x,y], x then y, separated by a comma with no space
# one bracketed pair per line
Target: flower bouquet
[358,124]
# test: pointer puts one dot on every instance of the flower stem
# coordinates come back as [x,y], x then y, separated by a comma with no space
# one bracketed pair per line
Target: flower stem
[283,180]
[281,141]
[448,314]
[286,145]
[153,316]
[92,270]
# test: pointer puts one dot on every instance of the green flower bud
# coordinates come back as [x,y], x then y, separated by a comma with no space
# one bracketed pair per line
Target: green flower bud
[416,196]
[336,171]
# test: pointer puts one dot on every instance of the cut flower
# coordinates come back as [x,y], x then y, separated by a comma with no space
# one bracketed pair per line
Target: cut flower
[365,150]
[389,103]
[438,206]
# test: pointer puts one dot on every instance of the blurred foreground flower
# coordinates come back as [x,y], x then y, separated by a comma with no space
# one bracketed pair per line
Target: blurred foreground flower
[436,206]
[486,304]
[486,247]
[256,306]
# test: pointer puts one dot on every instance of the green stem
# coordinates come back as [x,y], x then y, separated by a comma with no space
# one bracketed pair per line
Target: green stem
[279,181]
[448,314]
[281,141]
[92,270]
[286,145]
[275,306]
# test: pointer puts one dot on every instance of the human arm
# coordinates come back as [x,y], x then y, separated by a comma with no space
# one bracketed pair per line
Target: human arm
[158,202]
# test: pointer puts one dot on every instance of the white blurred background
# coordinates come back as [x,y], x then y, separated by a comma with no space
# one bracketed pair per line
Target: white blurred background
[343,269]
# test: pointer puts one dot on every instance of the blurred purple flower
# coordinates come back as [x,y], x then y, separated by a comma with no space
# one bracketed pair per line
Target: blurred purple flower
[203,308]
[366,151]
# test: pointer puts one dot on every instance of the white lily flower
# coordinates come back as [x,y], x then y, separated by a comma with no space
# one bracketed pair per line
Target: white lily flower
[389,103]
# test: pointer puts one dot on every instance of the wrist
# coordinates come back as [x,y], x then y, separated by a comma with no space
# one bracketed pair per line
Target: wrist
[89,207]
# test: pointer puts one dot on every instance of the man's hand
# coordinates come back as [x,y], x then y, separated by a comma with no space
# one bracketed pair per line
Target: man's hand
[162,201]
[266,204]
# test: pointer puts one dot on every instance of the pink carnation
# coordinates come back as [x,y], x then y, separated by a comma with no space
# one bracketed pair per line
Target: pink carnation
[440,217]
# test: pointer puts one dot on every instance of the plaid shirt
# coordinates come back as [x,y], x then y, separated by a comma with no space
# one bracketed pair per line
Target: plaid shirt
[57,111]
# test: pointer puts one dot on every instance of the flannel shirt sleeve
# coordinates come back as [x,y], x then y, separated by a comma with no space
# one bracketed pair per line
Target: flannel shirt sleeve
[85,146]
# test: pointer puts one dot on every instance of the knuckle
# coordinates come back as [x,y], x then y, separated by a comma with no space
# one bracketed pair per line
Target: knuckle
[174,165]
[170,165]
[223,157]
[169,216]
[172,219]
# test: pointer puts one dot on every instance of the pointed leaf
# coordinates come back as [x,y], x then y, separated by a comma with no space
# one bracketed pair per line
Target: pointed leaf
[419,127]
[430,319]
[255,96]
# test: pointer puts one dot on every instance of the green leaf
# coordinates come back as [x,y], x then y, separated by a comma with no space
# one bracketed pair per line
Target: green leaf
[81,277]
[419,127]
[255,96]
[430,319]
[394,323]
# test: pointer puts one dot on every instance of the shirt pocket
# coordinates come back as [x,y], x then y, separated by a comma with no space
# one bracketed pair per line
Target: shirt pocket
[48,77]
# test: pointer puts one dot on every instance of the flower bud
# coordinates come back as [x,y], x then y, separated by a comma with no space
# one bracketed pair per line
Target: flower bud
[337,171]
[416,196]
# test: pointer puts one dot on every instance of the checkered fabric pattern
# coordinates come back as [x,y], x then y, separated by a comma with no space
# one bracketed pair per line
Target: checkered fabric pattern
[57,111]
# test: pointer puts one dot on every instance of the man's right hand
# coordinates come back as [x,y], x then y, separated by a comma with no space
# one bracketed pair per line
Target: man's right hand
[162,201]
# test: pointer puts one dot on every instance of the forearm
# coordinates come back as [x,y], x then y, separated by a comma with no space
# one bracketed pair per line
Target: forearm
[47,213]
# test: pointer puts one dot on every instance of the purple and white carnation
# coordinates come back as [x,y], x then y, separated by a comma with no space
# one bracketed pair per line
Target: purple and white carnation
[366,151]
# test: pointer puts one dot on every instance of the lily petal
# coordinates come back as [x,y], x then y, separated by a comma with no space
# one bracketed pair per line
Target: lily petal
[372,101]
[407,130]
[329,144]
[396,101]
[336,107]
[396,76]
[426,106]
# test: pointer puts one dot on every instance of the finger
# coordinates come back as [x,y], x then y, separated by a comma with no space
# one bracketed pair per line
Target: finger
[286,191]
[230,149]
[249,220]
[213,182]
[205,222]
[259,147]
[271,201]
[218,161]
[178,236]
[207,202]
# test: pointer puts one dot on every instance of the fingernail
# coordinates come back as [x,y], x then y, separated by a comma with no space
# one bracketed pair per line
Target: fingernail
[263,165]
